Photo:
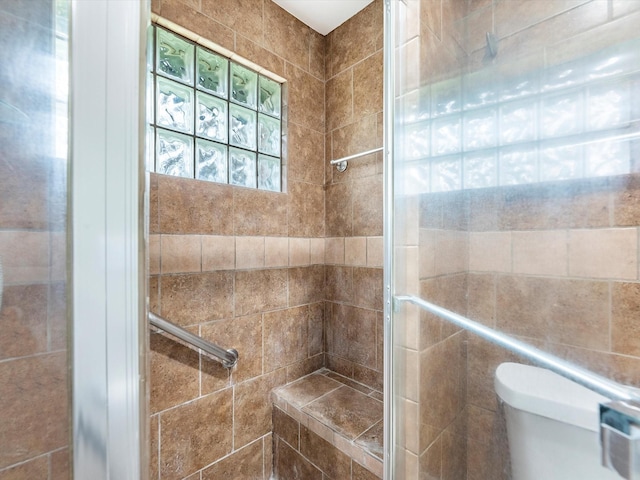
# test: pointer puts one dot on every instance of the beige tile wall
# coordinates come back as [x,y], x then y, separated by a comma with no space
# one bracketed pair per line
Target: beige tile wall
[247,268]
[241,267]
[353,200]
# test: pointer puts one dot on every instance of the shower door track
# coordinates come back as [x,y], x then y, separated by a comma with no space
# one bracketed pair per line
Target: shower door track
[584,377]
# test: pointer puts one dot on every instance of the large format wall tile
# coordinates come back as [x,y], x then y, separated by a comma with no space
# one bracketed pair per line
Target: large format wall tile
[214,291]
[247,462]
[195,434]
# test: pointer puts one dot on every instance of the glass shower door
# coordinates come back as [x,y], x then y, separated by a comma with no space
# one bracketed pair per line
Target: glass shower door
[515,191]
[34,393]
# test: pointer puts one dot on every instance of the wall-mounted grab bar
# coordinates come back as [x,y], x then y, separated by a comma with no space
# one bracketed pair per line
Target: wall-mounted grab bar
[228,358]
[341,163]
[590,380]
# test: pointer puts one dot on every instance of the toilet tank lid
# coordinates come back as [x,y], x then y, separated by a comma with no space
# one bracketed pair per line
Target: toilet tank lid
[542,392]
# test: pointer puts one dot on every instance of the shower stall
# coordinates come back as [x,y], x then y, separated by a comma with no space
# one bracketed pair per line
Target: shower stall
[512,207]
[512,215]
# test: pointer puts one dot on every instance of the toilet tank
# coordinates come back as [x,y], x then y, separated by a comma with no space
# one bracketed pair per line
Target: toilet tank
[552,425]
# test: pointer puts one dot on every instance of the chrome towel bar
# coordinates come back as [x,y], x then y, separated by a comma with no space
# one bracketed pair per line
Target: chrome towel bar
[228,358]
[341,163]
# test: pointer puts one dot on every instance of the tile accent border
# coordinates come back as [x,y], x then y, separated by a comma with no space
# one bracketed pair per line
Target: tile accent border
[170,254]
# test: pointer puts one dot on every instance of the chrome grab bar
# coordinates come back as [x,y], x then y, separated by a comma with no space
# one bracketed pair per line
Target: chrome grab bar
[228,358]
[584,377]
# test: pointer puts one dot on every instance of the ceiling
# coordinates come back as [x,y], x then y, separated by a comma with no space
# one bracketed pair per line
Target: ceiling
[323,15]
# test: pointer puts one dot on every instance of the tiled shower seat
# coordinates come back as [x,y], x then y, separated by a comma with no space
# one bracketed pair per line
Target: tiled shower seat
[327,424]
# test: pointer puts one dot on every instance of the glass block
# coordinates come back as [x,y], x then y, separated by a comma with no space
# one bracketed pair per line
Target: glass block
[211,117]
[561,163]
[446,135]
[150,99]
[243,85]
[174,56]
[562,115]
[607,158]
[212,73]
[480,129]
[211,161]
[446,174]
[518,122]
[566,75]
[608,106]
[480,89]
[445,97]
[416,141]
[518,166]
[174,106]
[414,106]
[519,87]
[151,148]
[242,131]
[620,59]
[242,168]
[175,154]
[268,135]
[480,170]
[268,173]
[270,97]
[150,34]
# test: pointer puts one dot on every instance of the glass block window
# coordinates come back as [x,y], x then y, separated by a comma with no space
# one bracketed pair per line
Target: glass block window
[579,119]
[211,118]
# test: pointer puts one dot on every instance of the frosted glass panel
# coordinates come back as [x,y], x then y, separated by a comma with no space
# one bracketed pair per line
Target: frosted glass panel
[243,127]
[242,167]
[211,161]
[174,56]
[244,84]
[211,117]
[270,97]
[268,135]
[268,173]
[175,154]
[174,106]
[213,73]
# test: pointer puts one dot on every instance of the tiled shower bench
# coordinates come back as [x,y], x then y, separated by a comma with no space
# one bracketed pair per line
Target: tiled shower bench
[326,424]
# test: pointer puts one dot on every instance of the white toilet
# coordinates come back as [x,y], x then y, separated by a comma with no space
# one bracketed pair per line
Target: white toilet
[552,425]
